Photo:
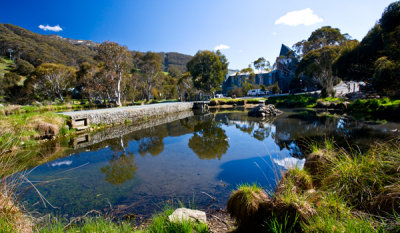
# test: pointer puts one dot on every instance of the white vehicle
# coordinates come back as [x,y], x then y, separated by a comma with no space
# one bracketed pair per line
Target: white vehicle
[256,92]
[219,96]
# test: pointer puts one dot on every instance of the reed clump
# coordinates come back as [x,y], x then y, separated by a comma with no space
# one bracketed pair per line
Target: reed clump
[338,191]
[12,216]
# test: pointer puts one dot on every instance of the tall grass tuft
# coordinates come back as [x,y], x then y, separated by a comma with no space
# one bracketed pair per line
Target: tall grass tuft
[12,218]
[365,180]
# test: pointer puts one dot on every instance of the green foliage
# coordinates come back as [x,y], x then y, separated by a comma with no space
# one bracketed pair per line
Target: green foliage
[327,221]
[209,141]
[53,80]
[6,226]
[24,68]
[367,181]
[387,71]
[377,58]
[88,225]
[324,36]
[208,70]
[292,101]
[274,88]
[117,62]
[318,65]
[391,17]
[248,190]
[236,101]
[274,225]
[385,107]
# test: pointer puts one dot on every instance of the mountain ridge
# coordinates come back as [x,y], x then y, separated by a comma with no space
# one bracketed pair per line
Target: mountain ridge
[37,48]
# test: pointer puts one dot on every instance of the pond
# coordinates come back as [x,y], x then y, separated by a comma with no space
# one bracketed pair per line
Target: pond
[185,158]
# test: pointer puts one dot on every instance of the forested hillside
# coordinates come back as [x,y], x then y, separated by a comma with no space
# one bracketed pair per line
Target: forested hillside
[37,49]
[173,59]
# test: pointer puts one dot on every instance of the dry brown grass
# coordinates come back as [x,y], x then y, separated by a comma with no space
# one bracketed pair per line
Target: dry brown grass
[11,109]
[11,216]
[46,130]
[11,212]
[387,201]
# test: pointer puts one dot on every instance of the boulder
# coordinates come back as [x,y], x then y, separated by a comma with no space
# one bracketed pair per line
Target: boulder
[263,111]
[188,215]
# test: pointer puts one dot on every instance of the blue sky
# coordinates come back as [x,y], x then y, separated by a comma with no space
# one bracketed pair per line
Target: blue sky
[244,29]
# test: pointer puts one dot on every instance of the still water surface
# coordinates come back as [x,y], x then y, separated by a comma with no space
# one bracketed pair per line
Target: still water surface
[186,160]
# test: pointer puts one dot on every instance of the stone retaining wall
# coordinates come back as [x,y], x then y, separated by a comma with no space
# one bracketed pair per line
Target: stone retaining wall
[132,113]
[89,139]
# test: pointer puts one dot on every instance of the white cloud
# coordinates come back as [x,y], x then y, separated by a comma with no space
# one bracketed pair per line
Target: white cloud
[221,47]
[56,28]
[290,162]
[295,18]
[57,164]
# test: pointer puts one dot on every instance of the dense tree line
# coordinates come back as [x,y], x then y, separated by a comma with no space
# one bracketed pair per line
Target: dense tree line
[117,76]
[328,56]
[376,59]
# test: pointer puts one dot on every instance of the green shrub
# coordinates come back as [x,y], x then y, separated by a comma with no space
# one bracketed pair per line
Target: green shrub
[292,101]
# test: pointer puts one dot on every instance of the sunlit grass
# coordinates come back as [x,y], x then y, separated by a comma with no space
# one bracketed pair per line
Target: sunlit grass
[161,224]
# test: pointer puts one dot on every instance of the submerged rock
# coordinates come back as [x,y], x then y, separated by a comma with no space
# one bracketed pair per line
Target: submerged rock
[264,111]
[188,215]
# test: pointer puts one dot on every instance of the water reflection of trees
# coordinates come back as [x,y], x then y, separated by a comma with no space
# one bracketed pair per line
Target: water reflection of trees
[255,127]
[151,140]
[121,166]
[209,140]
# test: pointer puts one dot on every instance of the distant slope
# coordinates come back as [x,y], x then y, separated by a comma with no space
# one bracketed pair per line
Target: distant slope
[175,59]
[36,49]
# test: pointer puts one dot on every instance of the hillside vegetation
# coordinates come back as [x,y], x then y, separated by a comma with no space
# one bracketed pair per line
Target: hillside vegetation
[37,49]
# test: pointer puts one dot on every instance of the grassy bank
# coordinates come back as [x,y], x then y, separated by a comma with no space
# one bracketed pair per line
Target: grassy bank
[338,191]
[32,127]
[384,108]
[218,102]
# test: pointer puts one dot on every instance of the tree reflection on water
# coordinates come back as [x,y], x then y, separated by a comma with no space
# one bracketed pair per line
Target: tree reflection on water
[209,140]
[121,167]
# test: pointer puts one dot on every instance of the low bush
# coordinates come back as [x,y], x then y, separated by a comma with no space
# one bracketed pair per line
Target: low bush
[292,101]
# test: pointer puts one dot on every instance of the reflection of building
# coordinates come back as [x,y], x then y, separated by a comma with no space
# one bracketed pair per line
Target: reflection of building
[283,73]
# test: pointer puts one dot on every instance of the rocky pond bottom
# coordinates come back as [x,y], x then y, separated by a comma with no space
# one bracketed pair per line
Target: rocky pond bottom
[197,160]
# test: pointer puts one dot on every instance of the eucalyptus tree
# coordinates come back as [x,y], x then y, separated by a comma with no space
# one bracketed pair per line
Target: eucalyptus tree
[53,79]
[150,71]
[117,60]
[318,54]
[262,64]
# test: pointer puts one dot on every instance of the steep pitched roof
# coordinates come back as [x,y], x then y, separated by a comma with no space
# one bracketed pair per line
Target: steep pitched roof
[284,50]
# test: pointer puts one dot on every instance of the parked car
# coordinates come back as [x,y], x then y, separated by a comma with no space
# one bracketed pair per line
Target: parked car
[256,92]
